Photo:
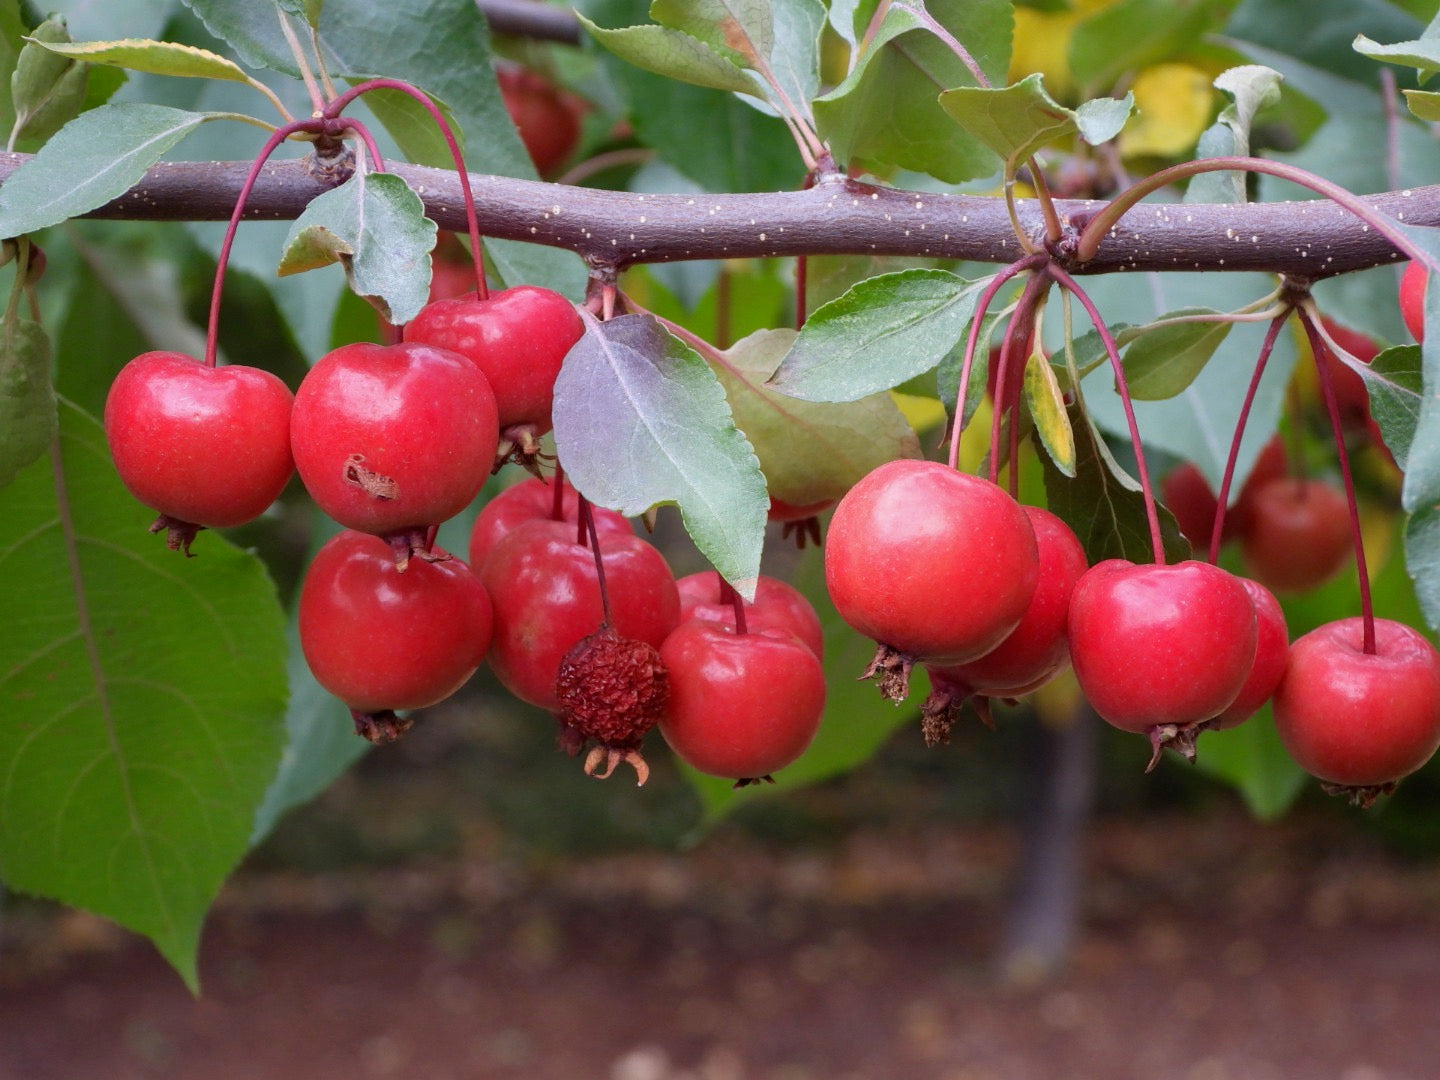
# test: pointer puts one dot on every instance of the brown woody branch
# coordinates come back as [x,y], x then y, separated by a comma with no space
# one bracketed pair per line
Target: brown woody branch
[611,230]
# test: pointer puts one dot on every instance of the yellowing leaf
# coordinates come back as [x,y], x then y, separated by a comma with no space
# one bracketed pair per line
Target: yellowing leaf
[1173,101]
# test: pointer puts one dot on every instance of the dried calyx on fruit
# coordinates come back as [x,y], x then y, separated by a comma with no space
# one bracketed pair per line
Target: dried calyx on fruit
[611,690]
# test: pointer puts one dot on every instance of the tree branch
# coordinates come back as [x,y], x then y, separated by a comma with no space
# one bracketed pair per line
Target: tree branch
[836,217]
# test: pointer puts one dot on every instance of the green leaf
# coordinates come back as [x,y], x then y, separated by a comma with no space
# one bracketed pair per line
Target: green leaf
[1421,490]
[1425,104]
[1160,363]
[641,420]
[143,694]
[885,113]
[1103,503]
[153,57]
[1047,410]
[94,158]
[1252,87]
[309,10]
[1251,759]
[1392,380]
[1017,120]
[47,90]
[374,225]
[675,55]
[1132,34]
[808,451]
[440,46]
[28,420]
[857,722]
[881,332]
[12,31]
[1423,55]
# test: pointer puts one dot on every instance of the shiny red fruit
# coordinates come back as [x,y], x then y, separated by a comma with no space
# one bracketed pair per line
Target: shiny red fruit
[1357,719]
[777,606]
[544,587]
[547,118]
[389,438]
[1412,298]
[1272,650]
[530,500]
[741,706]
[937,564]
[518,337]
[379,639]
[201,445]
[1297,535]
[1037,649]
[1155,645]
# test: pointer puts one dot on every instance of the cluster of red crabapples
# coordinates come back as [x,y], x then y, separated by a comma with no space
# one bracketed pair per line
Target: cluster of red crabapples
[995,599]
[391,440]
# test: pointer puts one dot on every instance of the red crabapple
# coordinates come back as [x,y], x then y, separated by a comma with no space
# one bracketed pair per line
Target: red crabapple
[1360,721]
[383,640]
[932,563]
[205,447]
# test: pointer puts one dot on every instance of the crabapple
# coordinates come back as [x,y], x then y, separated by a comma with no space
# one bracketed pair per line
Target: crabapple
[1412,298]
[205,447]
[1033,653]
[1159,647]
[394,438]
[932,563]
[777,606]
[528,500]
[1272,650]
[381,639]
[1356,719]
[1186,494]
[547,597]
[547,118]
[518,337]
[1036,650]
[1351,396]
[741,706]
[1297,534]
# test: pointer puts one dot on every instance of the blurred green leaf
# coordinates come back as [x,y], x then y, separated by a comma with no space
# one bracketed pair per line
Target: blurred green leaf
[143,696]
[28,420]
[47,90]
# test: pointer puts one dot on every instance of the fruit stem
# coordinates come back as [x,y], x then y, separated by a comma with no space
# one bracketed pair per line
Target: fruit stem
[1332,407]
[371,146]
[1122,388]
[1018,336]
[977,320]
[587,524]
[278,136]
[1266,347]
[557,497]
[722,308]
[472,221]
[317,99]
[728,594]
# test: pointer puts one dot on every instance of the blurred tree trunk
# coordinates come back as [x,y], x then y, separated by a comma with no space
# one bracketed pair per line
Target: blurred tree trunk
[1061,765]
